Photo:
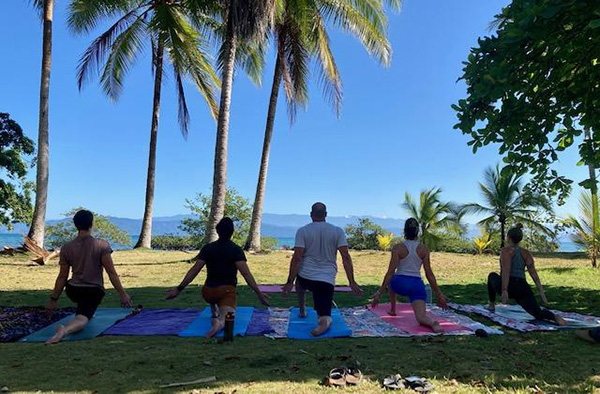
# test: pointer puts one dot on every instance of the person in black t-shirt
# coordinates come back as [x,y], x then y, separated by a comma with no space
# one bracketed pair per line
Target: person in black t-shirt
[223,259]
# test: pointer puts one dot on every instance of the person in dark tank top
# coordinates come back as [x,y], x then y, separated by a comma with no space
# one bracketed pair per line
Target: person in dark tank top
[223,259]
[512,284]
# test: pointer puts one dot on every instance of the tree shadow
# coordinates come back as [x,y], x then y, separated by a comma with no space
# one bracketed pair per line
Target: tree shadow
[554,361]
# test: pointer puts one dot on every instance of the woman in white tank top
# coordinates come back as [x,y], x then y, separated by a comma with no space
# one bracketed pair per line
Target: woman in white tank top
[404,275]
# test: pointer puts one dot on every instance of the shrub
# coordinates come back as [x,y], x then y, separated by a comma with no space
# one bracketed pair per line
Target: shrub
[453,244]
[363,235]
[269,243]
[385,241]
[174,242]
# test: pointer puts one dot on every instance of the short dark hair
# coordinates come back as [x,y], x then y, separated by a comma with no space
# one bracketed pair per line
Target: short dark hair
[83,220]
[516,233]
[318,210]
[411,229]
[225,228]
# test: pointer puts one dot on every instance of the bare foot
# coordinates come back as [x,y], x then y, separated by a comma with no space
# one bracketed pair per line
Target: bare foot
[216,327]
[491,307]
[58,336]
[560,321]
[437,328]
[585,335]
[391,312]
[321,329]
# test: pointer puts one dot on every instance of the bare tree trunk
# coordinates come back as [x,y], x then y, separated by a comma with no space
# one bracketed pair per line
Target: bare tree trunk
[253,242]
[502,230]
[594,191]
[38,224]
[145,240]
[219,188]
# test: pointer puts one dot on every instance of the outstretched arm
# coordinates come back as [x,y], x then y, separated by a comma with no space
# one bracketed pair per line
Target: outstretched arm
[294,269]
[505,262]
[242,266]
[59,285]
[187,279]
[394,260]
[433,282]
[349,268]
[536,279]
[108,265]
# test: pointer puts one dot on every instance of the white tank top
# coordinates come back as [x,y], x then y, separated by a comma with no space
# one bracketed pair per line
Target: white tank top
[411,264]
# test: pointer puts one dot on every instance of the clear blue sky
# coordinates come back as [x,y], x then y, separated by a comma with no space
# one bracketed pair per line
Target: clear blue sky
[394,135]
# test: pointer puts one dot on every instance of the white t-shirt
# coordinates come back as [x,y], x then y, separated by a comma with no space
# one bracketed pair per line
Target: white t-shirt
[320,241]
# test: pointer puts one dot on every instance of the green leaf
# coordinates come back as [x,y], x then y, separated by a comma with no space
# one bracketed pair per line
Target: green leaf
[594,24]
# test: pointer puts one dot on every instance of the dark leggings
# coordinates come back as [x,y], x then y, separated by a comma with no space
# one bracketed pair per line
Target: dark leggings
[518,290]
[322,294]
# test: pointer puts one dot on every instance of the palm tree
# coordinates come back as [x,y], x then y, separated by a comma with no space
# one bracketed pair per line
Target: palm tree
[173,30]
[585,236]
[456,220]
[244,21]
[38,223]
[506,201]
[300,33]
[431,213]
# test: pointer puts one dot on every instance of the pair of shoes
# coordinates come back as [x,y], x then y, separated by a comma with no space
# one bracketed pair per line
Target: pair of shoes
[343,376]
[397,382]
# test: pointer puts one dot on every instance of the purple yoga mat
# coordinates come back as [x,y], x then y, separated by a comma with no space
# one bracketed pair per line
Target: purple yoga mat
[277,289]
[155,322]
[259,324]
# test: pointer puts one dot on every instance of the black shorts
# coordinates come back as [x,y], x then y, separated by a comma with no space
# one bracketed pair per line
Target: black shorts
[595,334]
[322,294]
[88,299]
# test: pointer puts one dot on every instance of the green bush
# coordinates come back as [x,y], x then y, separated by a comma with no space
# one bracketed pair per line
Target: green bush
[269,243]
[363,235]
[453,244]
[174,242]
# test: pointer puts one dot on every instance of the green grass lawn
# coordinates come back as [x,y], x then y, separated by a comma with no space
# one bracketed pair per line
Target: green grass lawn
[548,362]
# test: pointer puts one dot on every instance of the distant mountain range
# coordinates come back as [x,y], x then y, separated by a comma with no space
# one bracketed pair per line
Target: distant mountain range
[273,225]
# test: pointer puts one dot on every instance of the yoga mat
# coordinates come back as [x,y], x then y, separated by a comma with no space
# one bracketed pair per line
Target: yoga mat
[277,289]
[102,320]
[405,320]
[513,316]
[154,322]
[18,322]
[201,325]
[300,328]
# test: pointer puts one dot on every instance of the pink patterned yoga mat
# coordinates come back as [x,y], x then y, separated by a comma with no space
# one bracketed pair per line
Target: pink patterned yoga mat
[277,289]
[405,320]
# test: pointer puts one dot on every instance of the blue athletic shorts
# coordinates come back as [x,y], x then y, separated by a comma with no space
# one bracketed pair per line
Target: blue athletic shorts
[409,286]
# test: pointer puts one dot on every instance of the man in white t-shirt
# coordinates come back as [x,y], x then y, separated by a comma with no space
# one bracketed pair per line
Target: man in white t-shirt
[314,267]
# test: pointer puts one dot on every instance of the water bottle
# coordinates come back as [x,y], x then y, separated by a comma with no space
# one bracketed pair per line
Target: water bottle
[228,329]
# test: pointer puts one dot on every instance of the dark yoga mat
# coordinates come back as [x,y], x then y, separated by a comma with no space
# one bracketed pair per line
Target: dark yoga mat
[150,322]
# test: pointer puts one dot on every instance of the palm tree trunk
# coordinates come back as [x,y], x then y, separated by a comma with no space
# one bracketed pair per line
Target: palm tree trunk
[219,188]
[38,224]
[145,240]
[502,231]
[253,242]
[594,191]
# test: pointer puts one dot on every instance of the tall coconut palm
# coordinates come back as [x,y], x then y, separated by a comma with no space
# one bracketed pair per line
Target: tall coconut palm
[300,34]
[586,236]
[172,28]
[506,201]
[38,223]
[431,213]
[244,21]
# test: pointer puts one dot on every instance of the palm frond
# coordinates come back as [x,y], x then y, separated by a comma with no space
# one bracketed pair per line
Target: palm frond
[84,15]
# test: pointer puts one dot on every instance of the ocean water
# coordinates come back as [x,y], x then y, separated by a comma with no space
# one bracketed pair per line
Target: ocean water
[15,240]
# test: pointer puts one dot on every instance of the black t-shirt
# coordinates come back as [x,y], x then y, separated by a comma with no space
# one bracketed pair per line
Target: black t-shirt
[220,258]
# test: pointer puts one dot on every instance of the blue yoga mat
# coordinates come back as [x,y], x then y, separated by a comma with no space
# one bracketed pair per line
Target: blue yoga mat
[201,325]
[300,328]
[103,319]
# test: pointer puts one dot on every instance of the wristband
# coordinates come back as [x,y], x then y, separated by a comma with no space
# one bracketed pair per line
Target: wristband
[55,299]
[180,288]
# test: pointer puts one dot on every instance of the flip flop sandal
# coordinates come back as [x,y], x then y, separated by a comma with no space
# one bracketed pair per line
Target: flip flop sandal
[337,377]
[393,382]
[418,384]
[353,376]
